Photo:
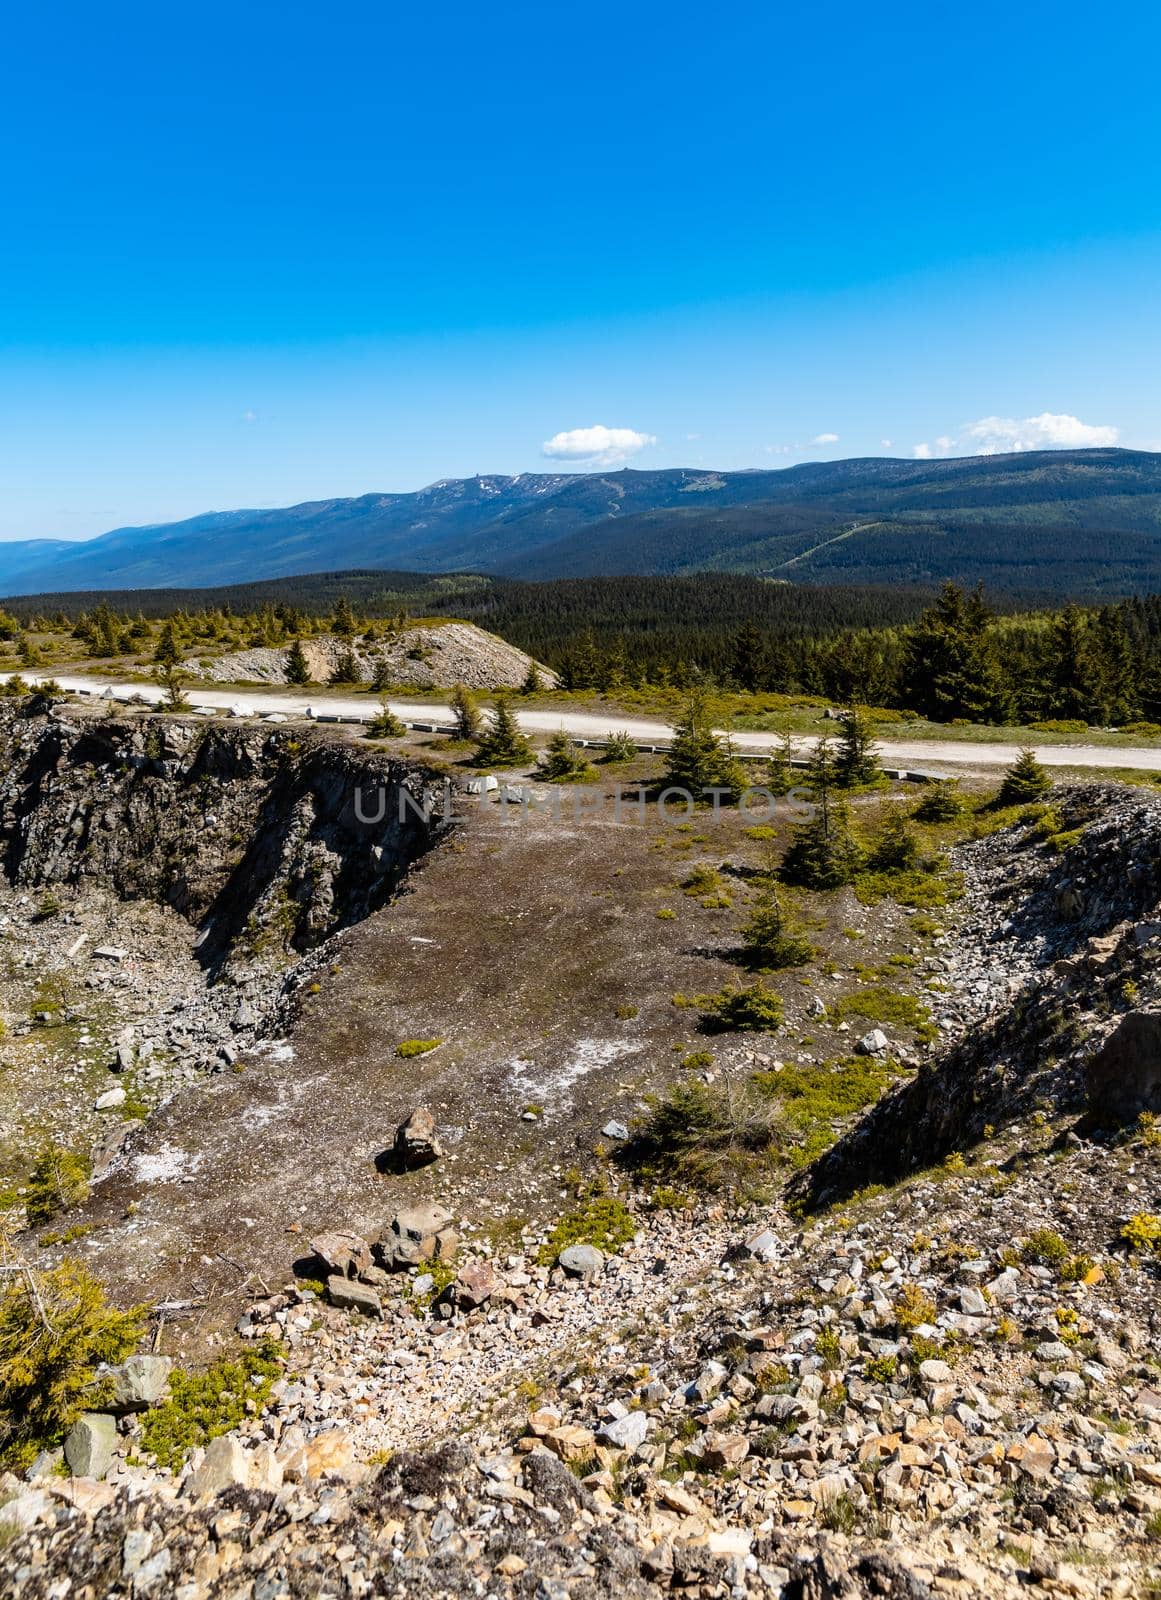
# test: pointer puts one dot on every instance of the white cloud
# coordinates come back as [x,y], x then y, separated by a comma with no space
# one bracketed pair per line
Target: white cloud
[598,444]
[249,416]
[922,452]
[1050,430]
[886,443]
[825,438]
[944,442]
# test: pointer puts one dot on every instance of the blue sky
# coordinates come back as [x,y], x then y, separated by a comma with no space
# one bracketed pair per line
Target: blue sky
[257,254]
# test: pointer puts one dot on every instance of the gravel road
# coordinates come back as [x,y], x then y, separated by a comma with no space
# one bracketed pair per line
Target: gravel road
[917,753]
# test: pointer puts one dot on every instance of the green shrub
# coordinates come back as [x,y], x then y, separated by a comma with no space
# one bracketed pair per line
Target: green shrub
[416,1047]
[503,745]
[823,852]
[58,1182]
[941,803]
[745,1008]
[55,1329]
[202,1405]
[705,1134]
[828,1346]
[386,725]
[564,762]
[603,1221]
[619,747]
[768,942]
[896,849]
[881,1369]
[699,761]
[1142,1232]
[856,763]
[913,1308]
[1044,1248]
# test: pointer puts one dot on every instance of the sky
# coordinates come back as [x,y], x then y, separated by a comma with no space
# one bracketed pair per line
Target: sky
[252,255]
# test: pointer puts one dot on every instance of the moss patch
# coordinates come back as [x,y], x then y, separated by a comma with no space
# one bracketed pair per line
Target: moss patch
[202,1405]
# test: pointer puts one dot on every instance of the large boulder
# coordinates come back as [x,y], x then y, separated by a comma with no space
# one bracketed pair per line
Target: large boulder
[224,1464]
[475,1285]
[89,1445]
[583,1261]
[344,1254]
[1124,1076]
[415,1142]
[419,1233]
[140,1382]
[351,1296]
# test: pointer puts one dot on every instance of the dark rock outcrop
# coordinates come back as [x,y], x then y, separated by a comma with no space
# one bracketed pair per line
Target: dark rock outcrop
[1123,1078]
[261,838]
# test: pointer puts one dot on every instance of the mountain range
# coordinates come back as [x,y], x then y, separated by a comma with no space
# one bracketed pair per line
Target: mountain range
[1083,522]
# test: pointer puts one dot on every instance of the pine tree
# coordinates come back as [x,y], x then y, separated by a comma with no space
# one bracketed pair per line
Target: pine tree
[856,761]
[173,682]
[619,746]
[779,772]
[1071,667]
[823,852]
[503,745]
[297,666]
[941,803]
[346,668]
[1113,689]
[466,712]
[767,942]
[699,761]
[896,849]
[821,767]
[1025,781]
[748,664]
[386,725]
[563,760]
[951,670]
[343,619]
[533,683]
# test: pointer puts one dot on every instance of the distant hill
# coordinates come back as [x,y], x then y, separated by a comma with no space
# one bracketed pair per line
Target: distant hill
[1084,522]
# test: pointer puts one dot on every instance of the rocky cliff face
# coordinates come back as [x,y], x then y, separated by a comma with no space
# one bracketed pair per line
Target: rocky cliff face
[169,889]
[1058,952]
[259,838]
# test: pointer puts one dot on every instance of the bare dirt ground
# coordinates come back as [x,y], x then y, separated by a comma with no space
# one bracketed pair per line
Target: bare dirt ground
[517,944]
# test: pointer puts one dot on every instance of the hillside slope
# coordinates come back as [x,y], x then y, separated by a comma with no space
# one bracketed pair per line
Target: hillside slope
[1082,522]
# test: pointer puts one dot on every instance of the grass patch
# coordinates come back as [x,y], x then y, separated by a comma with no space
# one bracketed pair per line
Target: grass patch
[922,890]
[877,1003]
[814,1098]
[416,1047]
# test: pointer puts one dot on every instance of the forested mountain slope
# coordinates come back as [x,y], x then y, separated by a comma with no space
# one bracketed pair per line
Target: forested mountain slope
[1083,522]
